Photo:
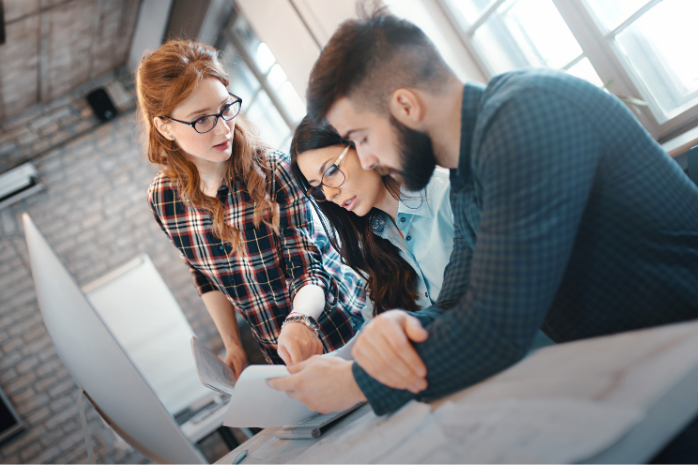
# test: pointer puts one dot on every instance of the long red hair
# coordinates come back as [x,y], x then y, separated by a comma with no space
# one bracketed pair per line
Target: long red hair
[164,79]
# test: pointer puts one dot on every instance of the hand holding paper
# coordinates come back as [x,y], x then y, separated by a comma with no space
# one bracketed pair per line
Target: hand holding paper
[324,384]
[236,359]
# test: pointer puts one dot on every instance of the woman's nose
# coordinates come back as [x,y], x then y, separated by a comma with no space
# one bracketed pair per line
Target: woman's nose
[330,192]
[222,126]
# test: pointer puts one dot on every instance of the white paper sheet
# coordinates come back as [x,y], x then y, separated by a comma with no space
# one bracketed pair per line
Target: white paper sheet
[254,404]
[550,430]
[366,437]
[212,371]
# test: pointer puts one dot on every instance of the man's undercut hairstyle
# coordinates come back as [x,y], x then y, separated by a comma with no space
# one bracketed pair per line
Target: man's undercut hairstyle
[368,58]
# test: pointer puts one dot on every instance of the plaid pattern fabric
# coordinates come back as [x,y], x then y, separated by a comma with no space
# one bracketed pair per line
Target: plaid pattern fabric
[262,280]
[568,216]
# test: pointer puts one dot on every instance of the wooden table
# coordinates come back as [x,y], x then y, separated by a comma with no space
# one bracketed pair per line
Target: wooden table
[652,373]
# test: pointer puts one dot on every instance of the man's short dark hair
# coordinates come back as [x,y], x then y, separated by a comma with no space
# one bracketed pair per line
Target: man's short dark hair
[368,58]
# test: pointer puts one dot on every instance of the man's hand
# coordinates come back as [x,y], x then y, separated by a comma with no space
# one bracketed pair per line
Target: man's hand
[235,358]
[297,342]
[384,351]
[324,384]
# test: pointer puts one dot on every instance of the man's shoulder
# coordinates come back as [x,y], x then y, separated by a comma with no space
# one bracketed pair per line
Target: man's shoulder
[537,84]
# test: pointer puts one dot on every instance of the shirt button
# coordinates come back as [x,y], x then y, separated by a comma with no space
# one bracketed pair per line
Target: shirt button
[402,220]
[408,238]
[426,294]
[222,248]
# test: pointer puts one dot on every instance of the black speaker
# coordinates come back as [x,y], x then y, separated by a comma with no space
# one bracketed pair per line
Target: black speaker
[101,104]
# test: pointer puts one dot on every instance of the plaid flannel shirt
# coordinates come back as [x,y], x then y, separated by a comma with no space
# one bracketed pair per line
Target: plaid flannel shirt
[262,280]
[569,217]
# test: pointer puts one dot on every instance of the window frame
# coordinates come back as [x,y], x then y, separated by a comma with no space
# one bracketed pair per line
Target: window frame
[601,51]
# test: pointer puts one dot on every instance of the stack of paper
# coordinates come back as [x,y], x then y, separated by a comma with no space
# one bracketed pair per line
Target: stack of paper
[212,371]
[252,402]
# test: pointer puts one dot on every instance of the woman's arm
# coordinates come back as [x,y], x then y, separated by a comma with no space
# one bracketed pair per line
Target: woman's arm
[298,342]
[307,279]
[223,314]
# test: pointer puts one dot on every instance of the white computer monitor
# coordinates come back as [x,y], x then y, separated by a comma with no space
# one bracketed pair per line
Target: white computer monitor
[97,362]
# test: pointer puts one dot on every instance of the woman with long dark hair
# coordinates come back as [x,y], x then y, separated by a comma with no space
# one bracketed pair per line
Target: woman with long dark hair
[400,241]
[229,204]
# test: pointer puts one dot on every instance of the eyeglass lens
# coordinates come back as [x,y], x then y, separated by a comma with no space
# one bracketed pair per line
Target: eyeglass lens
[207,123]
[333,177]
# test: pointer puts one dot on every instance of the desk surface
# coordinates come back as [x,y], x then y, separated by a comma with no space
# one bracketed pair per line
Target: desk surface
[577,389]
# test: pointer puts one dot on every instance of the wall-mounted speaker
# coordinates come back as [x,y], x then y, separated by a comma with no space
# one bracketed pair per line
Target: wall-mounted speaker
[101,104]
[2,23]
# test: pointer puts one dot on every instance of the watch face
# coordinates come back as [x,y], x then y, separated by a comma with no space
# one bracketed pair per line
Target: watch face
[312,321]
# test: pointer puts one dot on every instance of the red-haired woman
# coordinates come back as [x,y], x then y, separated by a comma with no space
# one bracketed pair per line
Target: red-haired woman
[230,206]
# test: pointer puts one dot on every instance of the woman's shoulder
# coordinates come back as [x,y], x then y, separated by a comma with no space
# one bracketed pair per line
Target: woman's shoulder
[275,159]
[439,185]
[279,165]
[162,189]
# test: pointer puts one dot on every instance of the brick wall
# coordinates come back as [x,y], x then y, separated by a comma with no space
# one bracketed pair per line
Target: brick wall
[44,127]
[95,215]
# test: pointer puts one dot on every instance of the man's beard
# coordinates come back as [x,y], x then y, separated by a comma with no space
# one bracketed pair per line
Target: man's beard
[417,153]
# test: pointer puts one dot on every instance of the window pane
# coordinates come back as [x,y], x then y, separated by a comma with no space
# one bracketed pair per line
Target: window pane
[250,41]
[584,70]
[470,10]
[263,114]
[276,77]
[292,101]
[525,33]
[660,47]
[242,81]
[264,58]
[613,12]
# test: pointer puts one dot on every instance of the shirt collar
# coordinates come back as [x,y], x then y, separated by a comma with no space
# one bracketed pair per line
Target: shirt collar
[472,94]
[415,203]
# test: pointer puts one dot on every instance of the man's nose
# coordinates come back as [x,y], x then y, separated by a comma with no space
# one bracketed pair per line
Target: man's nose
[368,161]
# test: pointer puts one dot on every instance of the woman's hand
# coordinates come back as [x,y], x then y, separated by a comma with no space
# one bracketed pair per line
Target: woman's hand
[235,358]
[297,342]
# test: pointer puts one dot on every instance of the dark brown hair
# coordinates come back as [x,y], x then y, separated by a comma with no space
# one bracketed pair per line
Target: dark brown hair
[166,78]
[369,58]
[391,281]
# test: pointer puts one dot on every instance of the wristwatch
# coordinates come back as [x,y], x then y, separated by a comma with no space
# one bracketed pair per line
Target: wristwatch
[309,321]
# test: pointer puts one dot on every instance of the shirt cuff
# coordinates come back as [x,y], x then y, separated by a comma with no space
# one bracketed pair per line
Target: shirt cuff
[382,398]
[203,285]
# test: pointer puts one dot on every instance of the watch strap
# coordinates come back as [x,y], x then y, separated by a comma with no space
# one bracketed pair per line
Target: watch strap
[309,321]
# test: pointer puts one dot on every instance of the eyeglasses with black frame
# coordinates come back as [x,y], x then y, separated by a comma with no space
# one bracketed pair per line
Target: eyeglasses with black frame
[204,124]
[332,177]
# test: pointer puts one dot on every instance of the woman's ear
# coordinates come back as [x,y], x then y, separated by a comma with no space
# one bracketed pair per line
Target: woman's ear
[407,107]
[163,127]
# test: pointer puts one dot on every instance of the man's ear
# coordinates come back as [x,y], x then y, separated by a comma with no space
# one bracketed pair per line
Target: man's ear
[163,127]
[407,107]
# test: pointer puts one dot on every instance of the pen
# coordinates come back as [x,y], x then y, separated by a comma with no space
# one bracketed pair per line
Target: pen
[240,457]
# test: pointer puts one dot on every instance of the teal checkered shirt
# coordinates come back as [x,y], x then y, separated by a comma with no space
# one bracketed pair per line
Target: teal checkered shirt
[569,217]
